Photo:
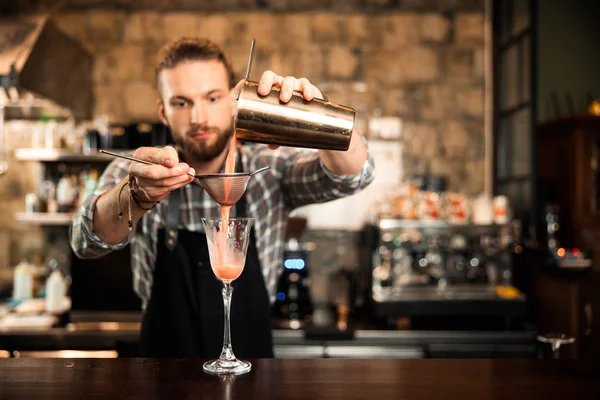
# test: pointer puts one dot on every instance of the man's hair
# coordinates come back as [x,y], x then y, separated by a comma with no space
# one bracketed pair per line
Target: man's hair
[191,49]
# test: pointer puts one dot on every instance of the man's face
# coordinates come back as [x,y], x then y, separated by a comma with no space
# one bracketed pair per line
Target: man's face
[196,104]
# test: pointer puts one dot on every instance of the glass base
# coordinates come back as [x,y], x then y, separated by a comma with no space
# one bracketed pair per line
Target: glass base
[226,367]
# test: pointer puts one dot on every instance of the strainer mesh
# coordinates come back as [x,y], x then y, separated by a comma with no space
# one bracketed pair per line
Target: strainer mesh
[225,189]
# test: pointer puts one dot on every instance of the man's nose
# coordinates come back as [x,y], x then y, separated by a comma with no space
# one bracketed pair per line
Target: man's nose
[198,115]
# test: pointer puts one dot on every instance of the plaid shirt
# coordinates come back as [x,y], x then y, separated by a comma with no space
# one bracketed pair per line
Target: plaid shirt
[296,178]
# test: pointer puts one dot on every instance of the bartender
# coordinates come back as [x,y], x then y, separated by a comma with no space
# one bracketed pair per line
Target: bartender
[181,301]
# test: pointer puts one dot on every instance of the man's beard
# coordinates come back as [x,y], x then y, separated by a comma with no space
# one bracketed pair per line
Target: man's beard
[200,150]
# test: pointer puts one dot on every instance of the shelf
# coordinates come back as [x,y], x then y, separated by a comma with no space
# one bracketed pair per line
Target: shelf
[408,223]
[62,219]
[60,155]
[421,224]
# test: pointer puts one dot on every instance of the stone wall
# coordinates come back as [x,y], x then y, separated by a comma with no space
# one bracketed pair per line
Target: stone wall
[419,60]
[426,67]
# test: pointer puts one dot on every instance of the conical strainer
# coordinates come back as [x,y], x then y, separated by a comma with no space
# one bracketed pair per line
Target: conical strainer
[227,189]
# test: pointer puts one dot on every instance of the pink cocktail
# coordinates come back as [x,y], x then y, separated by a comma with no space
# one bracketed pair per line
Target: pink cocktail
[227,246]
[228,272]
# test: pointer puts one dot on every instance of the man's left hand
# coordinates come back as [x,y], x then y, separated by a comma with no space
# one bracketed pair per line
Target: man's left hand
[287,86]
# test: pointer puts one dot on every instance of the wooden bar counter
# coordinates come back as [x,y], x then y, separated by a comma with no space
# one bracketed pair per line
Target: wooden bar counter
[299,379]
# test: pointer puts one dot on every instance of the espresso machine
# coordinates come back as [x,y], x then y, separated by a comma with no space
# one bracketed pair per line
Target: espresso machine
[293,306]
[433,268]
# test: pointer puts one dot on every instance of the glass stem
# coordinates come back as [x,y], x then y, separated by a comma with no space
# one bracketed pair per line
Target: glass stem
[227,351]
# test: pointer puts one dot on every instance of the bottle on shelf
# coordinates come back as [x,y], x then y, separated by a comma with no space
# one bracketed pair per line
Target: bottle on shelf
[23,282]
[56,292]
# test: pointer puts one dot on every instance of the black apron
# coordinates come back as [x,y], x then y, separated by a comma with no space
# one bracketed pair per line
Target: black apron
[184,316]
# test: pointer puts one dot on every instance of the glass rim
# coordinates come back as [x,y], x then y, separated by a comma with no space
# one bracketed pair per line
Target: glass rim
[229,219]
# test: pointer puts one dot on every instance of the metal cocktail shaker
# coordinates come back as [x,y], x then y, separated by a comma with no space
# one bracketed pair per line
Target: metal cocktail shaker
[316,124]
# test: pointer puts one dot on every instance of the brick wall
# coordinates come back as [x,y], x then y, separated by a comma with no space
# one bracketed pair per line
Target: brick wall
[420,60]
[424,66]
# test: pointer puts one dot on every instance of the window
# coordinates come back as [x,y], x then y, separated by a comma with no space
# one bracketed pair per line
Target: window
[514,109]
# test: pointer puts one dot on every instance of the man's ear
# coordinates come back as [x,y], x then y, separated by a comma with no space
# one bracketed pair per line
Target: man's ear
[160,110]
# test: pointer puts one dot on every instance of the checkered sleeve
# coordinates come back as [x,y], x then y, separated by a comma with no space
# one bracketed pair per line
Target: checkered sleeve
[84,242]
[306,180]
[143,254]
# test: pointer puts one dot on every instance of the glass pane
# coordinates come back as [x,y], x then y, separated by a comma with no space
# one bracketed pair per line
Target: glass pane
[502,151]
[525,48]
[514,195]
[520,19]
[526,196]
[501,189]
[519,197]
[521,143]
[596,177]
[509,75]
[506,16]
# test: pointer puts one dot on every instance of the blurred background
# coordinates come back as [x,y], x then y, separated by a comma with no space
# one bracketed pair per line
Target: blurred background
[476,239]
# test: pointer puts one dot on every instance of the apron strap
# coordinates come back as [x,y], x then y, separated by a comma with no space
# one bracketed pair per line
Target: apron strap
[174,202]
[173,207]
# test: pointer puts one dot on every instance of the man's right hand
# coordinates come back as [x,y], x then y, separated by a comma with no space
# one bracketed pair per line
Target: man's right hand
[154,182]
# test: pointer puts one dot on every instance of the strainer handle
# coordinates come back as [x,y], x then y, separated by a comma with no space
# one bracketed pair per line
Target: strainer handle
[260,170]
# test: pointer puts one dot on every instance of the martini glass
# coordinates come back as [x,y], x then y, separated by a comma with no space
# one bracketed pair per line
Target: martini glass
[227,246]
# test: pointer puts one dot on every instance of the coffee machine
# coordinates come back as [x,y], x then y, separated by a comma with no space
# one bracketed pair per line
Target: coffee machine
[293,306]
[433,268]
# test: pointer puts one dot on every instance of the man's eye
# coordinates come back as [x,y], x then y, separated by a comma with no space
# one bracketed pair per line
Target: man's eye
[179,104]
[214,99]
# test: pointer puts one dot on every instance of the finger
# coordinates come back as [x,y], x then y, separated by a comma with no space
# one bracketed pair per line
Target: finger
[158,193]
[287,88]
[308,90]
[164,156]
[171,154]
[154,155]
[162,183]
[156,172]
[267,81]
[304,86]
